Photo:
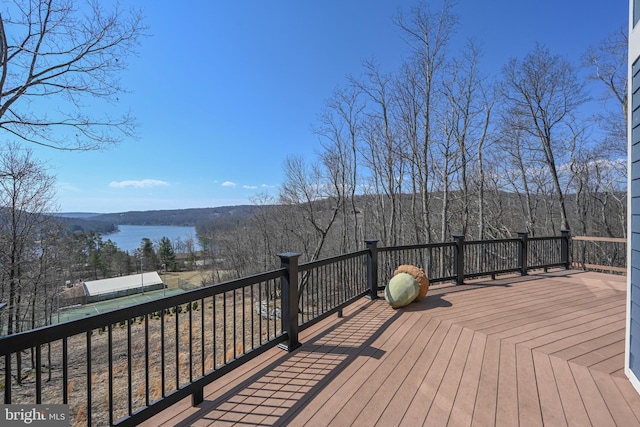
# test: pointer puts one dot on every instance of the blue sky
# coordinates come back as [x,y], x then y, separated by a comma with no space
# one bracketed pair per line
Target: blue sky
[225,90]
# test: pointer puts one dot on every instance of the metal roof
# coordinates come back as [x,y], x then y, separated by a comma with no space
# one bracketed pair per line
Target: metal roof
[106,286]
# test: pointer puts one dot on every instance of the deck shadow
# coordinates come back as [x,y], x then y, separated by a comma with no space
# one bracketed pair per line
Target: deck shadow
[285,386]
[435,296]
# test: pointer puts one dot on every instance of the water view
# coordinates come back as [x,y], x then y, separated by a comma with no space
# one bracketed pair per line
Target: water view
[129,237]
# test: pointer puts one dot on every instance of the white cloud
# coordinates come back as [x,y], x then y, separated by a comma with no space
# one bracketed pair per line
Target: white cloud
[67,186]
[249,187]
[142,183]
[229,184]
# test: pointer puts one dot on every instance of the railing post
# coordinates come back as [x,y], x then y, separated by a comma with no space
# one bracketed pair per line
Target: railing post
[7,379]
[458,258]
[564,249]
[289,285]
[523,253]
[197,397]
[372,269]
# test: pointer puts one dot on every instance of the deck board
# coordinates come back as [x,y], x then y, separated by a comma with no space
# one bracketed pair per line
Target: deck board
[463,406]
[484,413]
[544,349]
[529,409]
[572,403]
[550,403]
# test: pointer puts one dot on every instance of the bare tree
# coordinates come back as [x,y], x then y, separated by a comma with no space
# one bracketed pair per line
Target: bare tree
[599,185]
[607,63]
[313,190]
[518,161]
[427,33]
[465,122]
[384,152]
[26,196]
[542,94]
[340,130]
[410,114]
[71,54]
[488,100]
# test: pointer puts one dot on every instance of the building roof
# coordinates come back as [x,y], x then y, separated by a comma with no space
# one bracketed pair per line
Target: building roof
[115,284]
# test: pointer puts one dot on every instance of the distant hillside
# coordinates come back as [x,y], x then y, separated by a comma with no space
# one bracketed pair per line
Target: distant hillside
[85,224]
[185,217]
[76,214]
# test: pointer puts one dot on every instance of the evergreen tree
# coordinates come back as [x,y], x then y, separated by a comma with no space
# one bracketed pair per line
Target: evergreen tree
[166,254]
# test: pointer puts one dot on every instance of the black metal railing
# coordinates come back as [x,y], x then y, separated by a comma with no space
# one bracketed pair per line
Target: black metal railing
[327,286]
[437,260]
[495,257]
[124,366]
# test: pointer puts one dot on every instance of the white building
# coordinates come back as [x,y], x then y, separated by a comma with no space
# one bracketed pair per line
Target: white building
[100,290]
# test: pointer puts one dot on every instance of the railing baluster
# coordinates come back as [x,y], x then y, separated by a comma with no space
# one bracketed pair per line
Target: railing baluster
[190,310]
[275,317]
[235,324]
[214,332]
[38,374]
[523,253]
[224,328]
[459,259]
[253,323]
[110,367]
[146,359]
[7,378]
[89,379]
[65,373]
[244,321]
[372,268]
[162,355]
[129,369]
[202,338]
[177,346]
[260,308]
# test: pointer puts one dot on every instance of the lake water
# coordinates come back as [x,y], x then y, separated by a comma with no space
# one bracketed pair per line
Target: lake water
[129,237]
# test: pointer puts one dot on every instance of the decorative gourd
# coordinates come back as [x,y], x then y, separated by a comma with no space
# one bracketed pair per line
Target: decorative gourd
[418,274]
[402,289]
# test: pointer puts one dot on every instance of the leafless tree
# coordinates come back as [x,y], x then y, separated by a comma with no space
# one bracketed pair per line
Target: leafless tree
[484,142]
[518,160]
[313,191]
[599,187]
[607,63]
[340,131]
[410,114]
[26,196]
[427,33]
[542,94]
[383,152]
[465,120]
[70,54]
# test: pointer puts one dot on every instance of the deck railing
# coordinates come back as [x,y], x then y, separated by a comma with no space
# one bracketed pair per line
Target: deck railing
[607,254]
[124,366]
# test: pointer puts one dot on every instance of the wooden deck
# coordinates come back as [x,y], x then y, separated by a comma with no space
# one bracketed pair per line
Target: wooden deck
[545,349]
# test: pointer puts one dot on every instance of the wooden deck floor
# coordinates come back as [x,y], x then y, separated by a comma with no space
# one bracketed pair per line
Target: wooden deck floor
[546,349]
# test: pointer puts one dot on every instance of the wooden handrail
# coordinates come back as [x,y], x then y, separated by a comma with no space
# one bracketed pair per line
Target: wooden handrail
[600,239]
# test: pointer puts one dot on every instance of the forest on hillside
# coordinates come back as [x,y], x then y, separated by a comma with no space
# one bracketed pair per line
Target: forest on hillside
[180,217]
